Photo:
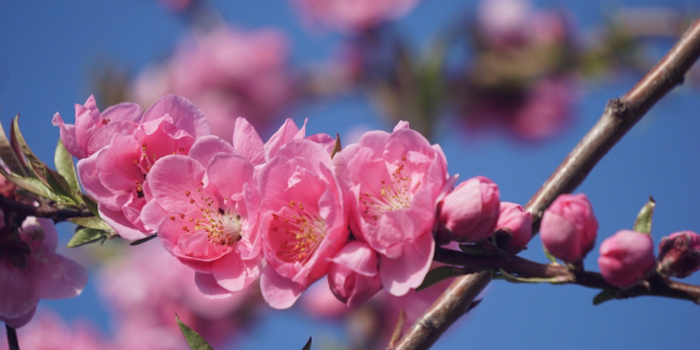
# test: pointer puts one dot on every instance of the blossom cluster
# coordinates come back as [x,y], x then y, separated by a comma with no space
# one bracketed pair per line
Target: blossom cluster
[288,211]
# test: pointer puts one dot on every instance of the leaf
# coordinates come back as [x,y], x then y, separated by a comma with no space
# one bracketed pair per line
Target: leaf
[440,274]
[66,167]
[337,146]
[194,340]
[603,296]
[515,279]
[91,204]
[9,156]
[17,149]
[643,222]
[475,249]
[86,235]
[398,330]
[143,240]
[308,345]
[93,222]
[33,185]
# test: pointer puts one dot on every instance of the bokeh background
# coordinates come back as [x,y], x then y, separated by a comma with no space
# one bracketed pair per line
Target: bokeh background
[56,54]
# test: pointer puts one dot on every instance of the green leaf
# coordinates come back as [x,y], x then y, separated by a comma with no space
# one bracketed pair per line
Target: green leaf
[549,255]
[91,204]
[66,167]
[33,185]
[308,345]
[440,274]
[194,340]
[9,156]
[143,240]
[92,222]
[603,296]
[17,149]
[86,235]
[515,279]
[643,222]
[337,146]
[474,249]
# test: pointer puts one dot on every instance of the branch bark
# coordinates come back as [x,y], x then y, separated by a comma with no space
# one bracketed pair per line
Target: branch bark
[42,211]
[618,118]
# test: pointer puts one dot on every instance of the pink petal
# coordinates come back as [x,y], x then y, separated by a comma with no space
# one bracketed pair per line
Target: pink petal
[185,115]
[288,132]
[229,173]
[233,273]
[408,271]
[18,294]
[358,257]
[278,292]
[247,142]
[208,286]
[207,146]
[58,277]
[125,228]
[19,321]
[125,111]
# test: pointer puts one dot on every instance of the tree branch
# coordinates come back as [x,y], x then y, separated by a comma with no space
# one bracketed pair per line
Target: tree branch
[43,210]
[654,285]
[619,116]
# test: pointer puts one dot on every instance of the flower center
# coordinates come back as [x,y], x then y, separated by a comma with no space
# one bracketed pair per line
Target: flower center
[223,227]
[391,197]
[297,232]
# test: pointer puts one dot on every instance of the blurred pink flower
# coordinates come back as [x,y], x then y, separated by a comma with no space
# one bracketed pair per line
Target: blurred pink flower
[470,212]
[228,73]
[304,220]
[395,182]
[31,270]
[569,227]
[319,301]
[626,257]
[205,210]
[353,15]
[49,332]
[353,276]
[116,175]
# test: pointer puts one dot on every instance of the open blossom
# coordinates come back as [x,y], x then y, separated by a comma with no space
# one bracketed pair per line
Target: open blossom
[353,275]
[304,220]
[470,212]
[116,175]
[228,73]
[626,257]
[36,273]
[205,210]
[395,181]
[93,129]
[354,15]
[569,227]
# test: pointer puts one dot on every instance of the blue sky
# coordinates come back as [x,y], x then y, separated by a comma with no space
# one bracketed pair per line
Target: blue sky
[47,49]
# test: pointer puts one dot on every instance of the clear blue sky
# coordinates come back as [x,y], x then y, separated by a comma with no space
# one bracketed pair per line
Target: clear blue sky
[47,48]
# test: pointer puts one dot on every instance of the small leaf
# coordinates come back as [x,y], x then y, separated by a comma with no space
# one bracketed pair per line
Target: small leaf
[549,255]
[33,185]
[91,204]
[603,296]
[643,222]
[143,240]
[398,330]
[86,235]
[337,146]
[15,144]
[515,279]
[475,249]
[194,340]
[66,167]
[93,222]
[440,274]
[9,156]
[308,345]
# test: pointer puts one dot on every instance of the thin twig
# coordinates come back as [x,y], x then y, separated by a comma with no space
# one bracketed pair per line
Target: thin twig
[12,338]
[42,211]
[561,274]
[619,116]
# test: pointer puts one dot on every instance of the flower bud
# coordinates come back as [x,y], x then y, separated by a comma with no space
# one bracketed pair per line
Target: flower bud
[353,276]
[569,227]
[679,254]
[518,223]
[626,257]
[470,212]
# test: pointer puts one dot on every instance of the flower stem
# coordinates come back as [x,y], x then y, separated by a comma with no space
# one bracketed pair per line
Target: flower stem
[12,338]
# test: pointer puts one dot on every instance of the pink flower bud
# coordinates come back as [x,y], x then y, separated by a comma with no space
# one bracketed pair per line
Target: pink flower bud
[679,254]
[470,211]
[519,222]
[353,275]
[626,257]
[569,227]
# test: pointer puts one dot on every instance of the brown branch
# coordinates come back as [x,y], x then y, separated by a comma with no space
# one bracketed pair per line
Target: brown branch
[43,210]
[654,285]
[619,116]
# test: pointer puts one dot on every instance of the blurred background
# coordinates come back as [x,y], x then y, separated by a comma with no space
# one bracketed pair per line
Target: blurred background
[506,87]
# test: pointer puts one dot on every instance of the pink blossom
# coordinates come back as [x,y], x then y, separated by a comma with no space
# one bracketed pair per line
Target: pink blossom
[319,301]
[228,73]
[679,254]
[353,15]
[395,180]
[205,210]
[470,212]
[304,220]
[31,270]
[626,257]
[353,276]
[94,130]
[518,222]
[49,332]
[569,227]
[116,175]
